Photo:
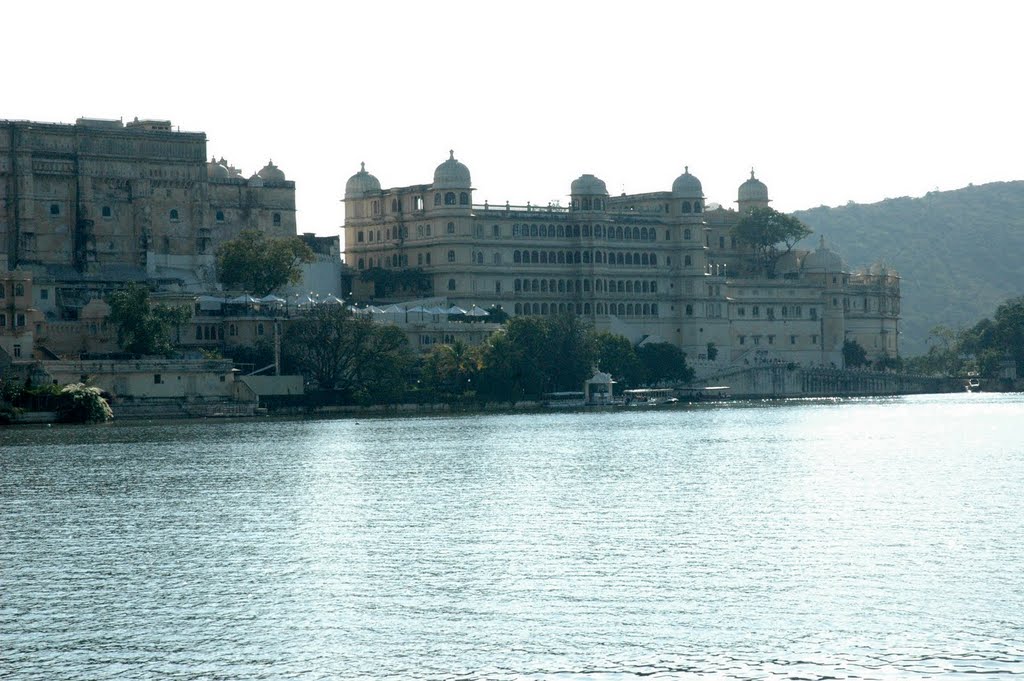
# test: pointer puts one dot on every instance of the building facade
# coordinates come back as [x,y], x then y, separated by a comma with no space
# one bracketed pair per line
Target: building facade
[105,202]
[658,266]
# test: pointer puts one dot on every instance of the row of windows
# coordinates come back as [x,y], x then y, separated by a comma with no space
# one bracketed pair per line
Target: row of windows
[19,319]
[18,289]
[214,332]
[585,257]
[756,340]
[584,286]
[620,309]
[788,312]
[574,231]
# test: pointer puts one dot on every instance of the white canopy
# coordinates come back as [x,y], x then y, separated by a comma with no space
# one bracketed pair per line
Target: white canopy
[419,308]
[333,300]
[393,309]
[244,299]
[455,309]
[271,298]
[477,312]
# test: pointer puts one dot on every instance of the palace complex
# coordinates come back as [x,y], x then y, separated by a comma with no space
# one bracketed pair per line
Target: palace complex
[661,266]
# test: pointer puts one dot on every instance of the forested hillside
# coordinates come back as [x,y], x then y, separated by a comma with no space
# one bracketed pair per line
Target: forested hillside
[960,253]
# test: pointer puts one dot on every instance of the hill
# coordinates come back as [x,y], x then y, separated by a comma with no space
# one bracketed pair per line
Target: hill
[960,253]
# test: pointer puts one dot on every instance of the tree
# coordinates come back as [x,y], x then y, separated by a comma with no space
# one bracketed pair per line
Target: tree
[144,329]
[259,264]
[349,354]
[664,363]
[617,356]
[764,230]
[854,354]
[451,370]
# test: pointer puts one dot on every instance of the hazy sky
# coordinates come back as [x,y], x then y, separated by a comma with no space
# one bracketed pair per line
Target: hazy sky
[829,101]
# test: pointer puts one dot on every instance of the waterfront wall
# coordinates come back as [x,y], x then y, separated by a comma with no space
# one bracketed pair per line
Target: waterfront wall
[788,380]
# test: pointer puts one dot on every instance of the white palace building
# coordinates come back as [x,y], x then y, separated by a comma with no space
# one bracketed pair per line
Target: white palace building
[660,266]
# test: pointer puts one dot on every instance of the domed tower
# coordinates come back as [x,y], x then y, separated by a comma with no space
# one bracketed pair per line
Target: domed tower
[688,194]
[826,267]
[271,173]
[752,194]
[217,171]
[452,185]
[357,189]
[588,193]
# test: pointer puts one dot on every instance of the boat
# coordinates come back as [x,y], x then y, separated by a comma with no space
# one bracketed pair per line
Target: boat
[973,385]
[649,397]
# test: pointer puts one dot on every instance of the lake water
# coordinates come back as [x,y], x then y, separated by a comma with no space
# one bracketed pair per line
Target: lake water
[846,539]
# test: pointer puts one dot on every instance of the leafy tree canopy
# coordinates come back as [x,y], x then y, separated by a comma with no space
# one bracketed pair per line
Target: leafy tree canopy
[854,354]
[142,328]
[663,363]
[253,262]
[764,230]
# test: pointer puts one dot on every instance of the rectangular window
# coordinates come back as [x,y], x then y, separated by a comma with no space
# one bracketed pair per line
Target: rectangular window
[771,340]
[19,320]
[496,230]
[3,319]
[17,351]
[755,311]
[497,287]
[743,340]
[44,294]
[54,209]
[742,311]
[107,212]
[792,340]
[814,339]
[157,379]
[814,313]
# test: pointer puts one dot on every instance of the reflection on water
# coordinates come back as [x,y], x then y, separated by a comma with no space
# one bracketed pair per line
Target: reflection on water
[802,539]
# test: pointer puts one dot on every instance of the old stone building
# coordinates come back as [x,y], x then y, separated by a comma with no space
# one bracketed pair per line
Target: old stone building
[86,207]
[657,266]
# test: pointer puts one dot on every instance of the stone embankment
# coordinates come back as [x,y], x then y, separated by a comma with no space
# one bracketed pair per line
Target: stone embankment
[788,380]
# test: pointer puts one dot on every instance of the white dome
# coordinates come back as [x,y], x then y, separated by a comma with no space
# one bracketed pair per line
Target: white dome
[451,174]
[687,186]
[271,173]
[588,185]
[753,190]
[823,260]
[361,183]
[217,171]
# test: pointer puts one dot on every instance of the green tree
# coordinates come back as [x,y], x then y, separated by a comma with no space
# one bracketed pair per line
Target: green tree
[854,354]
[450,370]
[764,230]
[256,263]
[142,328]
[617,356]
[664,363]
[365,361]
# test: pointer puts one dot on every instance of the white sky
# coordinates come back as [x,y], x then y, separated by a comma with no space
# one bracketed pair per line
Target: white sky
[829,101]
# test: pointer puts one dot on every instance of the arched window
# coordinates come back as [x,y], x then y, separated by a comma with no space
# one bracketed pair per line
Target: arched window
[463,198]
[586,231]
[621,286]
[536,308]
[543,230]
[645,287]
[544,257]
[533,230]
[636,233]
[534,257]
[654,309]
[362,263]
[561,285]
[622,310]
[451,256]
[654,287]
[220,216]
[451,284]
[518,285]
[629,258]
[560,231]
[687,234]
[618,233]
[518,308]
[437,199]
[586,286]
[577,257]
[629,287]
[449,198]
[687,261]
[174,214]
[689,310]
[696,207]
[543,285]
[644,260]
[451,228]
[535,286]
[496,258]
[686,207]
[654,260]
[517,256]
[646,309]
[561,257]
[259,329]
[586,308]
[586,257]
